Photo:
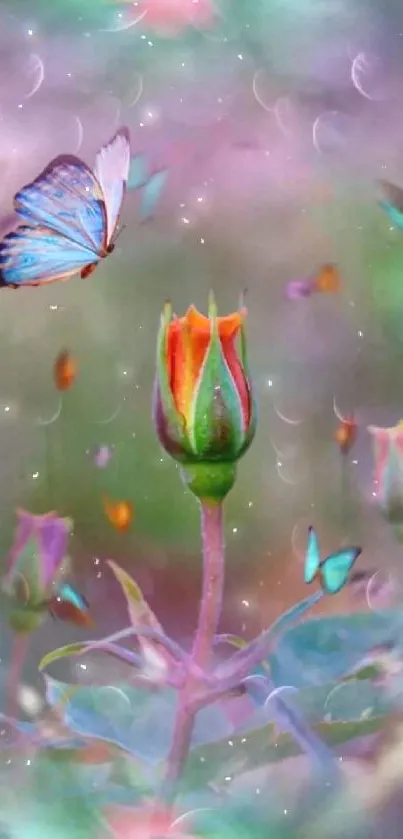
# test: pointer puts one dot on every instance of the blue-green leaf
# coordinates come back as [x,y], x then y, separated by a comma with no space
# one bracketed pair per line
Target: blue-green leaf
[322,650]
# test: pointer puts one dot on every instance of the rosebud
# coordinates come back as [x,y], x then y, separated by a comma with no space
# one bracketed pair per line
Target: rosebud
[204,411]
[34,564]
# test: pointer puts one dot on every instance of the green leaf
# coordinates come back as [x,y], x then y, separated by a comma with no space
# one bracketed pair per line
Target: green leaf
[262,746]
[62,652]
[370,671]
[325,649]
[139,611]
[126,771]
[58,800]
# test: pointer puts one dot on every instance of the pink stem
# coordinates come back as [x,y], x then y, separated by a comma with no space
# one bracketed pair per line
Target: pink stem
[209,615]
[213,583]
[18,655]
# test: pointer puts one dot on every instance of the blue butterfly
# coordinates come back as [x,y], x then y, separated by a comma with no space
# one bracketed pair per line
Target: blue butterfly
[69,217]
[334,570]
[151,186]
[393,206]
[68,605]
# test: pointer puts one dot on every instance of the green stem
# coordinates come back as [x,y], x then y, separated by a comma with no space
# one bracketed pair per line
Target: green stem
[49,466]
[15,673]
[345,495]
[209,615]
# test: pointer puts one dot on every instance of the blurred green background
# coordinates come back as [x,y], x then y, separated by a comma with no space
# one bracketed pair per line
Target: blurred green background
[251,202]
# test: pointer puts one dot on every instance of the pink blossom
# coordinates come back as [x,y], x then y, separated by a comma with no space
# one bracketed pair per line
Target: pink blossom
[388,456]
[169,17]
[143,823]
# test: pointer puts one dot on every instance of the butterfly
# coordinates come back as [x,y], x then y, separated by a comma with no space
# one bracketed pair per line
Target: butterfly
[334,570]
[325,281]
[69,216]
[393,206]
[68,605]
[346,434]
[119,513]
[150,186]
[64,370]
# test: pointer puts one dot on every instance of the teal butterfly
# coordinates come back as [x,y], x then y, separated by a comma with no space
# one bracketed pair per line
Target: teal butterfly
[68,605]
[334,570]
[393,206]
[150,186]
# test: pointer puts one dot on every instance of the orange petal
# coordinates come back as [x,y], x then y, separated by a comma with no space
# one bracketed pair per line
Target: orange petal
[227,325]
[187,343]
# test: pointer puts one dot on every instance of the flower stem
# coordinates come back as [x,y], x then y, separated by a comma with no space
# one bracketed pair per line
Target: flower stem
[209,615]
[213,583]
[16,667]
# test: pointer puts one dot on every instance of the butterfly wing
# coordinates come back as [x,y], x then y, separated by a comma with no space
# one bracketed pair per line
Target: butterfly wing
[395,215]
[67,198]
[112,167]
[68,605]
[335,569]
[393,194]
[393,205]
[38,255]
[151,194]
[312,556]
[138,172]
[68,594]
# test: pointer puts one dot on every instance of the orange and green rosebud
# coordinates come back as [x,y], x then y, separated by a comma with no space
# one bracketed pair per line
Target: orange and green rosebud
[204,410]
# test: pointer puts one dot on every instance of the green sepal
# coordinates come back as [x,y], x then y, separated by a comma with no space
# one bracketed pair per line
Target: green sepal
[209,481]
[216,419]
[24,579]
[174,429]
[26,620]
[251,429]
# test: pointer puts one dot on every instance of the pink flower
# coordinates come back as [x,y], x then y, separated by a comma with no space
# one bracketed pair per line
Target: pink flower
[142,823]
[34,565]
[169,17]
[37,553]
[388,456]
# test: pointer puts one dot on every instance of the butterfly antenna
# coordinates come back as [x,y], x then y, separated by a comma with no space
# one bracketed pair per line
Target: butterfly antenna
[120,231]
